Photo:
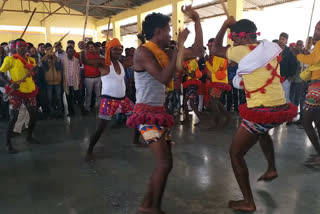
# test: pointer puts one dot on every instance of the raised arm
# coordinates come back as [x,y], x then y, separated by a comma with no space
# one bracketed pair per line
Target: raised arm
[197,48]
[98,62]
[217,48]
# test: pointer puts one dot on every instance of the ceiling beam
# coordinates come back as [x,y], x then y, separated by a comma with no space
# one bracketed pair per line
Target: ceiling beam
[44,12]
[51,13]
[65,9]
[82,4]
[253,4]
[46,7]
[4,2]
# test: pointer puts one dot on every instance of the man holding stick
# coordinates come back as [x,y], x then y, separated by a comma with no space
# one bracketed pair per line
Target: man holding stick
[25,91]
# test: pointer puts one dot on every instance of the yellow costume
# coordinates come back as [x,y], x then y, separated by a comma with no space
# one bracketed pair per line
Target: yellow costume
[217,69]
[312,73]
[266,104]
[273,93]
[192,66]
[18,71]
[313,60]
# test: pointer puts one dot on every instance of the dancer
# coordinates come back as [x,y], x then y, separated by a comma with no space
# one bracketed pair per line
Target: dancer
[266,107]
[19,65]
[153,70]
[191,85]
[312,103]
[216,68]
[113,98]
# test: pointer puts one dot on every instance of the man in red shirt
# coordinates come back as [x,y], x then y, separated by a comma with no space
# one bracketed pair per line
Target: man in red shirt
[92,79]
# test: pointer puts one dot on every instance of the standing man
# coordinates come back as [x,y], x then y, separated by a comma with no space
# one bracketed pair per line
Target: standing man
[71,81]
[53,75]
[59,51]
[19,65]
[297,82]
[92,79]
[288,65]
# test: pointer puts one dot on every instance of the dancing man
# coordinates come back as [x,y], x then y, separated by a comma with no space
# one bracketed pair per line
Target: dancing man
[216,68]
[266,107]
[153,70]
[20,68]
[191,85]
[113,98]
[312,103]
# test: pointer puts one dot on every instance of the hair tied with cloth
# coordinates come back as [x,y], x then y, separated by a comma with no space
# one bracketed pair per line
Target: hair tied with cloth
[110,44]
[242,34]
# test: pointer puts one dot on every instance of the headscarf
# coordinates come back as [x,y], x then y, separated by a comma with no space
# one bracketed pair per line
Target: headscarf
[110,44]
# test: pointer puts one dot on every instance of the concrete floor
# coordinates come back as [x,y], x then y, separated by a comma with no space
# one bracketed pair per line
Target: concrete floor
[52,178]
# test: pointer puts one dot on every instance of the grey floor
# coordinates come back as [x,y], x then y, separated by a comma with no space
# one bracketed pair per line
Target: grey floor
[52,178]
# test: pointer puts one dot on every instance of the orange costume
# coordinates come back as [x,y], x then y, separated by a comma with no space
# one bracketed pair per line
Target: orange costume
[190,66]
[217,68]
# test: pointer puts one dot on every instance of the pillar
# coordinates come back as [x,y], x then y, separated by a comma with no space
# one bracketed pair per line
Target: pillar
[116,30]
[177,18]
[48,34]
[235,9]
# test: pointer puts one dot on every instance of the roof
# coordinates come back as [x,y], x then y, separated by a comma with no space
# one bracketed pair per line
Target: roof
[106,8]
[100,8]
[210,9]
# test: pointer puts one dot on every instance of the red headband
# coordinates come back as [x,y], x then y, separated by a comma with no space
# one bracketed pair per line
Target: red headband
[242,34]
[22,43]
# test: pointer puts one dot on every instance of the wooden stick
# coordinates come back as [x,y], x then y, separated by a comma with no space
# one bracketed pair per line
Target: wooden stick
[25,29]
[63,37]
[224,8]
[51,50]
[85,22]
[108,28]
[314,2]
[7,95]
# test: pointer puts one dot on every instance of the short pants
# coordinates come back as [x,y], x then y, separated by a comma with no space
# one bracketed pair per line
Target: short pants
[16,102]
[312,102]
[255,128]
[191,91]
[152,133]
[216,92]
[110,107]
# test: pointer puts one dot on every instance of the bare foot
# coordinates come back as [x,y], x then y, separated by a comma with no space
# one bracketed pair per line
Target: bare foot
[242,205]
[268,176]
[89,157]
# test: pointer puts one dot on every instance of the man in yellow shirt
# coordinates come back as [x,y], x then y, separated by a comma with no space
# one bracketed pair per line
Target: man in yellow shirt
[19,65]
[312,103]
[259,75]
[216,68]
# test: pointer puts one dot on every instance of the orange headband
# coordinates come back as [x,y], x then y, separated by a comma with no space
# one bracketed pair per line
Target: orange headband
[110,44]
